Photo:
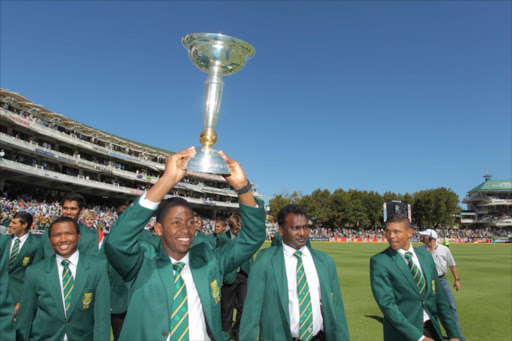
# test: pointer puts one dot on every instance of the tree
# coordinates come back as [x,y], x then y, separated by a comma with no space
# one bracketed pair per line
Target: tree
[281,200]
[316,206]
[435,207]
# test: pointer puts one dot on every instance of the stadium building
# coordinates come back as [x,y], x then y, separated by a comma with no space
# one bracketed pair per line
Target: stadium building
[46,154]
[488,204]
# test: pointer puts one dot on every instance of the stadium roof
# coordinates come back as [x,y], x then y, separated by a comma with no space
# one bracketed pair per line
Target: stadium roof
[493,186]
[77,126]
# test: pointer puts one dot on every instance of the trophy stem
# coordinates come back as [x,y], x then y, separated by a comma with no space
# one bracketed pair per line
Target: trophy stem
[212,98]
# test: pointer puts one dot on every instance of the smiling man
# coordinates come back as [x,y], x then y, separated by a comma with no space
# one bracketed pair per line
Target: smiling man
[407,289]
[65,296]
[73,206]
[20,250]
[175,292]
[293,291]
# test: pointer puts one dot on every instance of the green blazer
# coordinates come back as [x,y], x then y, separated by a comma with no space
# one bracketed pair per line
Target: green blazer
[266,303]
[151,295]
[88,243]
[7,330]
[118,287]
[41,313]
[245,267]
[400,301]
[25,258]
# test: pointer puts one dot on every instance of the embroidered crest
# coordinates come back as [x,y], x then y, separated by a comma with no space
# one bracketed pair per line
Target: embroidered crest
[87,300]
[215,291]
[434,287]
[332,296]
[26,260]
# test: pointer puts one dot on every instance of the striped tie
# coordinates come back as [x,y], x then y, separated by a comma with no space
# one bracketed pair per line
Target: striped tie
[417,276]
[179,318]
[14,252]
[306,313]
[67,283]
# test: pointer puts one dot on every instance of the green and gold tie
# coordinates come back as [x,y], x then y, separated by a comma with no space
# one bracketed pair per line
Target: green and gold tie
[306,312]
[179,317]
[14,252]
[68,283]
[417,276]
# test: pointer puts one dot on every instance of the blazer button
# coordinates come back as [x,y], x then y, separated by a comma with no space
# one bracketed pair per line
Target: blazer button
[164,333]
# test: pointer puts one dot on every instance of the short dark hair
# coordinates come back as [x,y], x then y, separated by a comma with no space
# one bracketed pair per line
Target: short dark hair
[64,220]
[73,196]
[397,218]
[25,218]
[121,209]
[166,205]
[233,220]
[221,221]
[291,208]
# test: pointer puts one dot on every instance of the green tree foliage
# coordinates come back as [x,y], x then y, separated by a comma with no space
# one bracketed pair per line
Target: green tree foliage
[354,208]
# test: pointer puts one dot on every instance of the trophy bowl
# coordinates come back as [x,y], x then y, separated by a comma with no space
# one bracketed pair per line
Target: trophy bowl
[217,55]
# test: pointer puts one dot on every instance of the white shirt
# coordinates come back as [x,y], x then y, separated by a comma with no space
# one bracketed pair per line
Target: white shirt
[290,262]
[196,322]
[22,241]
[442,257]
[73,261]
[417,262]
[197,325]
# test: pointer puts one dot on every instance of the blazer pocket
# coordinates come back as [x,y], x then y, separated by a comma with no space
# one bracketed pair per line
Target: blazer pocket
[86,300]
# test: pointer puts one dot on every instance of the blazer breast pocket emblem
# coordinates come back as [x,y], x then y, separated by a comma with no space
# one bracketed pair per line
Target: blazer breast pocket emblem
[215,291]
[26,260]
[434,286]
[87,300]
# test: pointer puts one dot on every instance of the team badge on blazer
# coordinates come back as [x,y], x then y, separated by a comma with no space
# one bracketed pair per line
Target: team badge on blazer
[26,260]
[215,291]
[434,287]
[87,300]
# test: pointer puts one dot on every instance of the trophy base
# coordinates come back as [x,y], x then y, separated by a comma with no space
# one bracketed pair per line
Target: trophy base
[207,160]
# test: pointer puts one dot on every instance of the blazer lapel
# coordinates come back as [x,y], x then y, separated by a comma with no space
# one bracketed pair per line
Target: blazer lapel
[166,273]
[81,275]
[426,274]
[201,276]
[402,265]
[53,281]
[281,280]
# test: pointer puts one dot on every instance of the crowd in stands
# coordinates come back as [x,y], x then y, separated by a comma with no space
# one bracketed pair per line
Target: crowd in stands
[45,212]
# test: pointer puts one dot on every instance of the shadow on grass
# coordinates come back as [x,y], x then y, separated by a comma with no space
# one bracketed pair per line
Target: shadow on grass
[380,319]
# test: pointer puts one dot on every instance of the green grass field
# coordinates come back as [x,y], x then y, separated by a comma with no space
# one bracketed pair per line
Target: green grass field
[484,303]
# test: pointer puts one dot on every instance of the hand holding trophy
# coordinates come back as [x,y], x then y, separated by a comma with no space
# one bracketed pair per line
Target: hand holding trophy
[217,55]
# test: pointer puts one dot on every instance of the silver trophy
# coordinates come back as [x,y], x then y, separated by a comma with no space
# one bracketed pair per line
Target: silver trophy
[217,55]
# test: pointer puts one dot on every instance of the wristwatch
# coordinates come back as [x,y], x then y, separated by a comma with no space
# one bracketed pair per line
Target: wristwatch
[457,279]
[244,189]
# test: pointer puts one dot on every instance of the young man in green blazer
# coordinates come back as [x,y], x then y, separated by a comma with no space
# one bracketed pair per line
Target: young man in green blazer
[20,249]
[67,296]
[7,330]
[175,291]
[407,289]
[293,291]
[73,206]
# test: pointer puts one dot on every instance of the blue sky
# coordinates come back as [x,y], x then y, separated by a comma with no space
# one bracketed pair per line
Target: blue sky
[387,96]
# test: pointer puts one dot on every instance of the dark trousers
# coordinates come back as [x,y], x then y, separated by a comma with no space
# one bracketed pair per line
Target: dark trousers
[430,331]
[233,296]
[116,321]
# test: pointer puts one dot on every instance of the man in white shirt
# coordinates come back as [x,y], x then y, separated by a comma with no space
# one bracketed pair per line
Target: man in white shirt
[406,287]
[175,292]
[443,257]
[66,296]
[293,291]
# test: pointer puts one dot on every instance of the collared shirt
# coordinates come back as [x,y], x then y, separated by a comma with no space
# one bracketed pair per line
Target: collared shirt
[22,241]
[442,257]
[196,322]
[290,262]
[418,264]
[73,262]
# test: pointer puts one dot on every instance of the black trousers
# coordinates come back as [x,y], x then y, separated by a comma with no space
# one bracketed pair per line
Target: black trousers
[430,331]
[116,321]
[233,297]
